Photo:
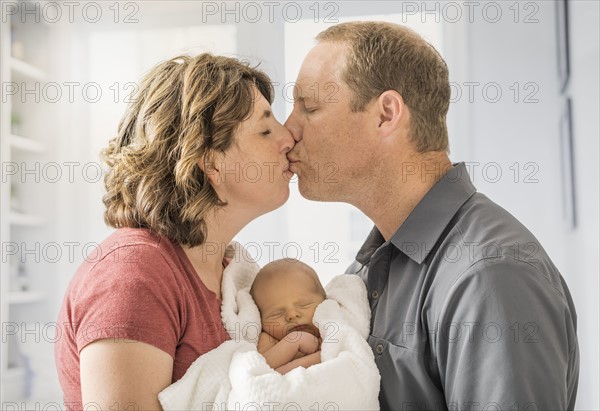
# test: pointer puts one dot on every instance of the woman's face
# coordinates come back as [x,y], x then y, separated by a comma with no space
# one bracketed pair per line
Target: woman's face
[253,173]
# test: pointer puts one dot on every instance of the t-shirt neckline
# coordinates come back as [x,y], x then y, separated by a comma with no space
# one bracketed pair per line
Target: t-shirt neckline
[188,266]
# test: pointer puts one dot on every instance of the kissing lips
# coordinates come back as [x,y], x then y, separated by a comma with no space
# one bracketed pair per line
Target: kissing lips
[292,166]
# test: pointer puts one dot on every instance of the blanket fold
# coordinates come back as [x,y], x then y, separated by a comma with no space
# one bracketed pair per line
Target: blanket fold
[234,376]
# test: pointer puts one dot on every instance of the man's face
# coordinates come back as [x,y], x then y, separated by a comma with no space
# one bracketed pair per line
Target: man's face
[335,147]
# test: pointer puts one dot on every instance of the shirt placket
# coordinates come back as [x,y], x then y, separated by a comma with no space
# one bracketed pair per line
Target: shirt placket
[379,269]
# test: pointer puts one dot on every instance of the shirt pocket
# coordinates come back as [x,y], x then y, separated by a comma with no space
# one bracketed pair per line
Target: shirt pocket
[389,356]
[405,381]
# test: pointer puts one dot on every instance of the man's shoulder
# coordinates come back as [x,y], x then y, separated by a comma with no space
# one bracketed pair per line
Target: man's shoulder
[485,230]
[485,239]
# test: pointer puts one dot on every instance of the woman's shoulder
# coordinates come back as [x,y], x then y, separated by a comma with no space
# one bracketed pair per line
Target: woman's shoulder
[126,245]
[129,287]
[131,256]
[126,236]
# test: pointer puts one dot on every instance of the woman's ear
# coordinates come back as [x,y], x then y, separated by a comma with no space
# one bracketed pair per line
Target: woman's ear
[391,109]
[209,166]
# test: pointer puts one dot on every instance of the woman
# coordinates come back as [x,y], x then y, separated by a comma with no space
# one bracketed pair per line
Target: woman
[197,156]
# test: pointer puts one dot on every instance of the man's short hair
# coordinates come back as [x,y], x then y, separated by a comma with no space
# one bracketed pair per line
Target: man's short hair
[386,56]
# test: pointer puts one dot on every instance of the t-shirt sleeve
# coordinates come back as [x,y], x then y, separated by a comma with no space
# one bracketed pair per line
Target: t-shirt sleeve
[131,293]
[507,340]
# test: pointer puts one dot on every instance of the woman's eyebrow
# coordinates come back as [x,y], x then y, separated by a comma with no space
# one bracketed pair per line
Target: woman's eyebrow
[266,114]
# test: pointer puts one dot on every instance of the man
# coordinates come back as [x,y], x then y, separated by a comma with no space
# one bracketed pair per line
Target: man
[468,311]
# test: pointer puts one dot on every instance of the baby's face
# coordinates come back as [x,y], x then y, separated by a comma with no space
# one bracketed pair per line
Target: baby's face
[287,302]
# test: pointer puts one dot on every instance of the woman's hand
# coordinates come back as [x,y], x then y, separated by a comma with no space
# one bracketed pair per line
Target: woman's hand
[229,254]
[117,374]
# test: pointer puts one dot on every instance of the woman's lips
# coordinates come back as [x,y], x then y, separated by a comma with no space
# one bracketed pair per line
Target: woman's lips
[292,166]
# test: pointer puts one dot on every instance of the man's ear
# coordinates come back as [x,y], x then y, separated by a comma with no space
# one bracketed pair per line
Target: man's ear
[391,109]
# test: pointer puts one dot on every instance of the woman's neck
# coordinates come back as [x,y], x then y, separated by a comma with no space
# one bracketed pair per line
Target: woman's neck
[207,259]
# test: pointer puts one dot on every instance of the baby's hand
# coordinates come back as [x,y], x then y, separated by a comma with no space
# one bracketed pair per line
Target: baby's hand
[299,355]
[307,343]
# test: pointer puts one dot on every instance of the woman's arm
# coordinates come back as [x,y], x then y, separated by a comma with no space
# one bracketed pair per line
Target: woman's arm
[117,374]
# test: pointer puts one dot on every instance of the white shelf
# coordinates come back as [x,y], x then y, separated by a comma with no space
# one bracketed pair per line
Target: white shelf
[25,297]
[35,68]
[27,70]
[25,144]
[26,220]
[13,384]
[13,372]
[39,4]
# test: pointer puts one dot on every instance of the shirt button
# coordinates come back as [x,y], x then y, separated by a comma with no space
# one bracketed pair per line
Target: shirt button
[375,294]
[379,348]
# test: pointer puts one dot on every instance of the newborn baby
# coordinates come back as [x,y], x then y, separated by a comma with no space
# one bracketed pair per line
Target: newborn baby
[287,292]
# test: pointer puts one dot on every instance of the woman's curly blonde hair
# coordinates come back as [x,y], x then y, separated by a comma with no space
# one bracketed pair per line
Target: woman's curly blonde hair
[185,111]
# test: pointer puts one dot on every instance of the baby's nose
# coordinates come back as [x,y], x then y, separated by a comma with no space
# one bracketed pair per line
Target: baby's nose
[293,314]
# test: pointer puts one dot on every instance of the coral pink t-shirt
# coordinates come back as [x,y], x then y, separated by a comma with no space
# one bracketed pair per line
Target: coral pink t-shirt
[139,286]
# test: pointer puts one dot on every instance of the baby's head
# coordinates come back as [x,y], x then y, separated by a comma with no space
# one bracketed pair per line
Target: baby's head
[287,292]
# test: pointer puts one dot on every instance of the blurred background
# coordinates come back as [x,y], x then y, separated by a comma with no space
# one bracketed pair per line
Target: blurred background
[524,117]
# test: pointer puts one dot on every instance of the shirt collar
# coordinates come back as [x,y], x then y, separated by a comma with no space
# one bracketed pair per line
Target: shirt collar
[424,225]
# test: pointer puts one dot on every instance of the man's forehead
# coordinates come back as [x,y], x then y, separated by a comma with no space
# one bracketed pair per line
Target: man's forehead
[323,65]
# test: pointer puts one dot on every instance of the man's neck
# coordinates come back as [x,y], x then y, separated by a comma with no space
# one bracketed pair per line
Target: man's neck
[398,189]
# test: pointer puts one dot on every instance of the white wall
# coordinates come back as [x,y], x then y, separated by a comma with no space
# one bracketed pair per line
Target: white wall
[581,245]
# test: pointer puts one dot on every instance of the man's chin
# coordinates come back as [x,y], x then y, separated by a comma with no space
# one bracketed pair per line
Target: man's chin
[313,191]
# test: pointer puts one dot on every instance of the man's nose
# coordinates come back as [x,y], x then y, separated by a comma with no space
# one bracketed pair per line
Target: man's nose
[287,141]
[292,125]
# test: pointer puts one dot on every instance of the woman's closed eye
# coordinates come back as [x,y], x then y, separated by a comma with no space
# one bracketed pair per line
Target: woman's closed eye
[266,132]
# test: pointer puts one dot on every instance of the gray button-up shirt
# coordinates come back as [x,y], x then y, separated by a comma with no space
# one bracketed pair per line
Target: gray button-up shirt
[468,310]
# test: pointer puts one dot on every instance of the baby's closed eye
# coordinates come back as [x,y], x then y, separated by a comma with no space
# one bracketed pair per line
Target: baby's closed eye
[307,304]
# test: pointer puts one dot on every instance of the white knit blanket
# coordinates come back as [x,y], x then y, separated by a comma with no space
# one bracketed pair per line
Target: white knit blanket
[234,376]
